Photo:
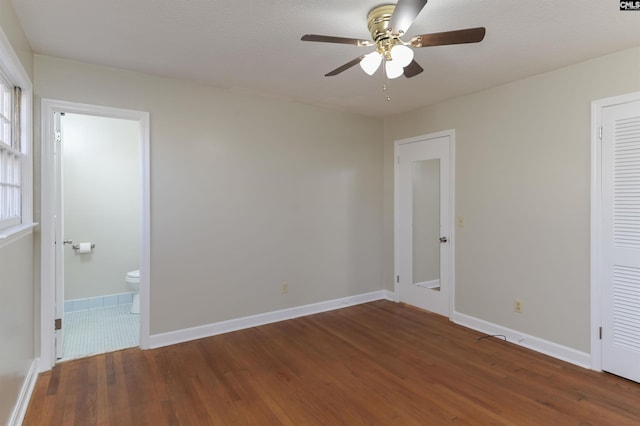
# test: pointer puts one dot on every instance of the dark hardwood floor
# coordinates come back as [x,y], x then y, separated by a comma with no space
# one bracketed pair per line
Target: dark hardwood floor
[379,363]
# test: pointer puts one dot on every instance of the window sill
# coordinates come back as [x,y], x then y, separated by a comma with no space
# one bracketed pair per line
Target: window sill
[13,233]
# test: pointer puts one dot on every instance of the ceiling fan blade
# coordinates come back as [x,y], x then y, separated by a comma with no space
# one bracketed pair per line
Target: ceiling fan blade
[332,39]
[412,69]
[404,14]
[344,67]
[469,35]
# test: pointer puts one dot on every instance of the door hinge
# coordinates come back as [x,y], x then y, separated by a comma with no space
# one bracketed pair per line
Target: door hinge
[398,159]
[600,134]
[57,324]
[600,333]
[398,279]
[58,137]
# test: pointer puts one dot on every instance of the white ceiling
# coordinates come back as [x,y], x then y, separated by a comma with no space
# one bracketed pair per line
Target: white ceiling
[255,47]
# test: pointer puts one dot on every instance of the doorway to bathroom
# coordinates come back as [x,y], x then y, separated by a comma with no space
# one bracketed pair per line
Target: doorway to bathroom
[99,209]
[95,224]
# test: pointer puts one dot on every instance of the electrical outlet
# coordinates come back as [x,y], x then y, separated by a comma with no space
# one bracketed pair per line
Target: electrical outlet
[517,306]
[285,287]
[460,221]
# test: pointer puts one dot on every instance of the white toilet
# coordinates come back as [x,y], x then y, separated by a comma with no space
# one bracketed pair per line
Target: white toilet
[133,281]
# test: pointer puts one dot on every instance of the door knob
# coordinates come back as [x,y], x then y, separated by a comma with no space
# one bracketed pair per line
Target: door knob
[443,239]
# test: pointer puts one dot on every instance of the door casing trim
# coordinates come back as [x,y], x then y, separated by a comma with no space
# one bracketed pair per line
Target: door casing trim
[451,133]
[47,218]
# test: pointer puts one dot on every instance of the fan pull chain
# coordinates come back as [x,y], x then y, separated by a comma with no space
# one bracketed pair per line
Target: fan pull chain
[386,92]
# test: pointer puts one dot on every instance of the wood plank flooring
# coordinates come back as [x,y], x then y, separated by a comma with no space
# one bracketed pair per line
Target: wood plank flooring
[379,363]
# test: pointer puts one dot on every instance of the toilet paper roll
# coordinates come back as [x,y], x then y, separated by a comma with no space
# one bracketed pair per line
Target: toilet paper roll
[84,248]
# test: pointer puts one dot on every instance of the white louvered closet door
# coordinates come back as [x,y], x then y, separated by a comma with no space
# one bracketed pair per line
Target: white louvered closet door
[621,240]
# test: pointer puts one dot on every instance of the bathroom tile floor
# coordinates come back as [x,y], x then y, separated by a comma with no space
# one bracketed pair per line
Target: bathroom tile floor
[100,330]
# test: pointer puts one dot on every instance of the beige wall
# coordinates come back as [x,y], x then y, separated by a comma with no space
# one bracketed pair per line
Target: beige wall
[16,266]
[16,320]
[246,193]
[102,199]
[522,186]
[13,31]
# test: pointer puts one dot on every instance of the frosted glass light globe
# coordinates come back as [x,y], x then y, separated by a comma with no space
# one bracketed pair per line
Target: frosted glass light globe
[402,54]
[393,69]
[371,62]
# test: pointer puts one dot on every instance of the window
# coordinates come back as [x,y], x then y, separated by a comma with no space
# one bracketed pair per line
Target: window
[11,156]
[16,162]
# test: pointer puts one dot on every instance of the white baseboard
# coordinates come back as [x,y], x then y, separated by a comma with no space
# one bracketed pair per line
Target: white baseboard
[537,344]
[389,295]
[20,409]
[185,335]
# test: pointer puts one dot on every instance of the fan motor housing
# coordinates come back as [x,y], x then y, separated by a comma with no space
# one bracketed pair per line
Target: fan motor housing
[378,21]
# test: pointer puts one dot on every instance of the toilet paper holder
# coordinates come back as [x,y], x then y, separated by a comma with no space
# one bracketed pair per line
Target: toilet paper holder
[77,246]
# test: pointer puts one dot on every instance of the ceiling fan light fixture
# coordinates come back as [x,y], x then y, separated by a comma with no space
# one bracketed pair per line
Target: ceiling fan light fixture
[393,69]
[402,54]
[371,62]
[387,24]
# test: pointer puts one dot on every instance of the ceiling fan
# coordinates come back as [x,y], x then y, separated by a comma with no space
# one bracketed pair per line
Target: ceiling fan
[388,23]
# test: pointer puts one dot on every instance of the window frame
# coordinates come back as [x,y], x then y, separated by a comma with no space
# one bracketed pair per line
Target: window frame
[11,156]
[16,76]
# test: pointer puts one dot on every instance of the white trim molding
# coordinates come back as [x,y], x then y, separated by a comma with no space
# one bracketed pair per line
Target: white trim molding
[47,273]
[390,295]
[16,232]
[208,330]
[564,353]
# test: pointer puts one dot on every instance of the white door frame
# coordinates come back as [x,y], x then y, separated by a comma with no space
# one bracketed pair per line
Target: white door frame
[596,220]
[48,226]
[396,201]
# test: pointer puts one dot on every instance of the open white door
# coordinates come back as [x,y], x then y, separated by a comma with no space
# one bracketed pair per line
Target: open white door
[59,238]
[424,208]
[621,239]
